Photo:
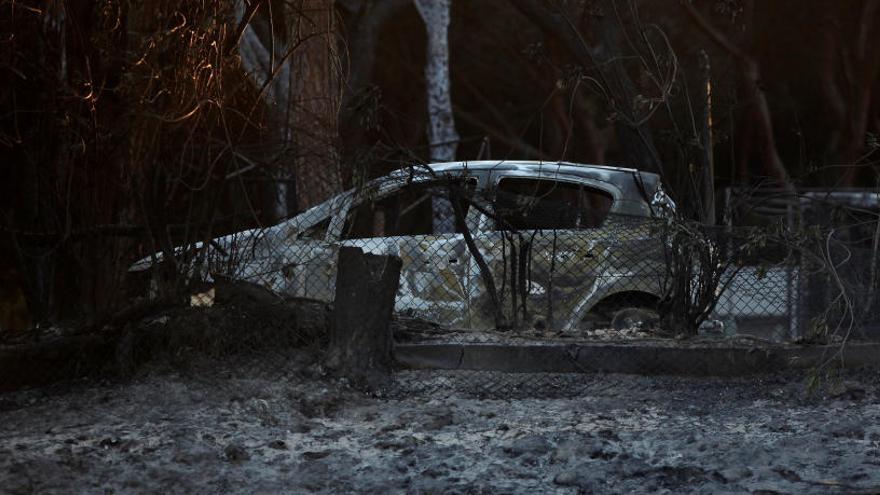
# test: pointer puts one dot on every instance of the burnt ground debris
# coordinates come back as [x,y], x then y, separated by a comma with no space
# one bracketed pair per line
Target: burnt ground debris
[244,318]
[243,426]
[261,414]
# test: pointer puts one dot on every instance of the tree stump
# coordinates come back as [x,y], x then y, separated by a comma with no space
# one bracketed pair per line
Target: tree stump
[360,335]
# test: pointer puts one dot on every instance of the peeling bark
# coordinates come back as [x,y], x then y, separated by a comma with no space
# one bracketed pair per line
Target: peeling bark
[442,136]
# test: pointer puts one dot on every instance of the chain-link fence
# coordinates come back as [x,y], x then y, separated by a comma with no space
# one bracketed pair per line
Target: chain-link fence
[499,259]
[513,267]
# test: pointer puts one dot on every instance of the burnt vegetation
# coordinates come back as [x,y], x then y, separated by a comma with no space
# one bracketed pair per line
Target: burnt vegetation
[141,129]
[440,246]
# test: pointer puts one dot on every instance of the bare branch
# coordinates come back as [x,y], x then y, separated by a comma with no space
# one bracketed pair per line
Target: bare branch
[243,21]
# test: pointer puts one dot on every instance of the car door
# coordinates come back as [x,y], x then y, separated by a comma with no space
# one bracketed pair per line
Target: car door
[294,258]
[546,247]
[398,219]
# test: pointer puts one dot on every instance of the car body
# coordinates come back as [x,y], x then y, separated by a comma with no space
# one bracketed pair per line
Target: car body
[564,242]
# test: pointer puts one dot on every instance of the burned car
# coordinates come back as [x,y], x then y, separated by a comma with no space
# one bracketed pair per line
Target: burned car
[551,245]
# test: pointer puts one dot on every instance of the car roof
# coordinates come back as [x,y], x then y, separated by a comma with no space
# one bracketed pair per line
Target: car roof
[531,165]
[611,174]
[633,184]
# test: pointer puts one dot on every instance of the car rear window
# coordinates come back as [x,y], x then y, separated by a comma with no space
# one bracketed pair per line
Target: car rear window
[529,204]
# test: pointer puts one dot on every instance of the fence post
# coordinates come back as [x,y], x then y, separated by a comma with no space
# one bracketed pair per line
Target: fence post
[360,334]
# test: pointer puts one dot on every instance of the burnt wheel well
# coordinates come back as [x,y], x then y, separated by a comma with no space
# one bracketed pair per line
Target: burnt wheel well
[631,298]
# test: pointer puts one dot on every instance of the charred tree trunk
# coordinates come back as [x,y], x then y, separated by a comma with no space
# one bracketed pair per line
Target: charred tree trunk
[313,116]
[300,81]
[360,339]
[270,71]
[359,117]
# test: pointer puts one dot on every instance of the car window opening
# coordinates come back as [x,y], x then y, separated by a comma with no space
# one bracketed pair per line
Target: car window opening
[532,204]
[317,231]
[406,211]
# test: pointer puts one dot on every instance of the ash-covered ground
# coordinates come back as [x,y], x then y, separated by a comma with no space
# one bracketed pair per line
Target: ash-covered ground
[276,425]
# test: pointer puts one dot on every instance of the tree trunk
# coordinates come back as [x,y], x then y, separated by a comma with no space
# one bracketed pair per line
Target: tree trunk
[442,136]
[314,113]
[270,72]
[301,84]
[360,110]
[705,154]
[360,339]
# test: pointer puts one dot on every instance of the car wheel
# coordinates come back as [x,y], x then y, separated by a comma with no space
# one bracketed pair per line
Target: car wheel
[635,318]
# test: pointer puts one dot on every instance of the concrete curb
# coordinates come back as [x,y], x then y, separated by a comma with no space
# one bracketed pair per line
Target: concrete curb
[697,360]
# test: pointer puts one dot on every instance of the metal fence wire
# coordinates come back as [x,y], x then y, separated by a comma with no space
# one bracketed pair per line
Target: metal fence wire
[541,258]
[516,259]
